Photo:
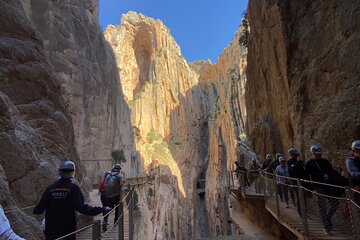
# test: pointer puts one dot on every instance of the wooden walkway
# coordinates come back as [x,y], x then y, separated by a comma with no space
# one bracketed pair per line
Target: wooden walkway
[289,217]
[248,192]
[113,233]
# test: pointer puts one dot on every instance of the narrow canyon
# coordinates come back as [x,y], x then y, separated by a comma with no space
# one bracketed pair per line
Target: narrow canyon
[288,78]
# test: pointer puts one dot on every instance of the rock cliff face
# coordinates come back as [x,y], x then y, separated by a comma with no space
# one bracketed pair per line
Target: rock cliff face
[303,75]
[84,63]
[187,119]
[169,117]
[60,98]
[225,83]
[35,126]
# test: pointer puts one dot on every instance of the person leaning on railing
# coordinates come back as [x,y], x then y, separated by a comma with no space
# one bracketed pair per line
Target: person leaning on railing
[353,167]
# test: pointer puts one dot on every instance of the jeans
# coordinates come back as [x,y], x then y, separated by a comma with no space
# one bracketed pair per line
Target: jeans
[327,208]
[283,192]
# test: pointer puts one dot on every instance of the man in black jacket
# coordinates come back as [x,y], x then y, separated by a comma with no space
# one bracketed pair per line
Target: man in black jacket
[320,170]
[296,170]
[60,202]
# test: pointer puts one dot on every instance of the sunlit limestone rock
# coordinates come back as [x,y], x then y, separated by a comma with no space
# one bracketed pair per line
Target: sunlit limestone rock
[169,117]
[186,120]
[225,84]
[303,76]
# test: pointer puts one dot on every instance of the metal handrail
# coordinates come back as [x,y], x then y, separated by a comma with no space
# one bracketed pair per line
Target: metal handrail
[301,179]
[19,209]
[84,228]
[122,214]
[352,209]
[74,232]
[114,208]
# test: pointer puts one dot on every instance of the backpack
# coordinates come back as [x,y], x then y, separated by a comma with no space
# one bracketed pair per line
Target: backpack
[113,184]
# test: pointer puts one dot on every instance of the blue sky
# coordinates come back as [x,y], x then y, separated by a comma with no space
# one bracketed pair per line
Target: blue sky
[202,28]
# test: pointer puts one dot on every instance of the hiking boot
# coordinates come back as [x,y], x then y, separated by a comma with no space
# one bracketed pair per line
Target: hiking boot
[328,231]
[104,226]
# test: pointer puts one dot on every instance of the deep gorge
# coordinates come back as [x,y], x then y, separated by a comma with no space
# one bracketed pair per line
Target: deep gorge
[70,91]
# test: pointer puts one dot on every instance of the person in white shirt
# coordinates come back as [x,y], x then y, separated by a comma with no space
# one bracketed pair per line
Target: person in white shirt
[6,233]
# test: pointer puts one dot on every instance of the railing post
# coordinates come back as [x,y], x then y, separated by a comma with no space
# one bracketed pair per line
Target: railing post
[131,217]
[242,183]
[264,181]
[121,218]
[354,216]
[302,207]
[96,230]
[276,195]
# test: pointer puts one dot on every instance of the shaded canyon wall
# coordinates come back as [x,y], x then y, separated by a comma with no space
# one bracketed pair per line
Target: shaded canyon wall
[85,65]
[60,99]
[303,76]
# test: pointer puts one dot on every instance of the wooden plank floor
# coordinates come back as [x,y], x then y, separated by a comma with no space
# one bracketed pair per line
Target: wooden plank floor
[290,219]
[113,233]
[249,191]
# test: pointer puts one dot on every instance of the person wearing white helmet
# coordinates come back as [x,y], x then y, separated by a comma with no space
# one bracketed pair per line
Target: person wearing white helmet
[320,170]
[353,167]
[114,182]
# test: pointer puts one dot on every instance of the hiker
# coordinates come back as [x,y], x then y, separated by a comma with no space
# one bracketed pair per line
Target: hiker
[296,170]
[254,174]
[6,233]
[267,162]
[274,163]
[60,202]
[291,166]
[268,177]
[101,190]
[353,167]
[240,169]
[282,180]
[112,189]
[320,170]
